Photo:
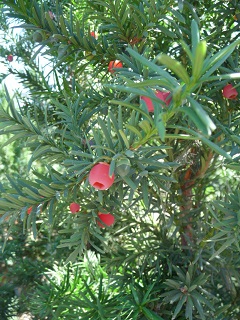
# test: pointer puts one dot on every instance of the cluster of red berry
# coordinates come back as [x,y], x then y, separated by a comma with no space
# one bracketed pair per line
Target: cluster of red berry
[228,91]
[99,179]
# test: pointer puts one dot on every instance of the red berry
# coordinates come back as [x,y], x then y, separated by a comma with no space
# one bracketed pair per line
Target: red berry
[10,58]
[114,64]
[93,34]
[74,207]
[99,176]
[29,210]
[229,92]
[106,218]
[163,96]
[148,102]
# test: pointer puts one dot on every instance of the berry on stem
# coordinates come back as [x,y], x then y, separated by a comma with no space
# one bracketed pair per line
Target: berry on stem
[162,95]
[99,176]
[10,58]
[93,34]
[229,92]
[74,207]
[107,218]
[29,210]
[114,64]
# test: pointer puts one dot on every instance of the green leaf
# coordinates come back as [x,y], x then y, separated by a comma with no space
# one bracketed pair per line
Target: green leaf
[202,116]
[51,209]
[37,15]
[195,119]
[180,273]
[145,125]
[199,307]
[215,147]
[133,107]
[176,13]
[179,306]
[106,133]
[28,200]
[117,128]
[203,299]
[233,166]
[73,256]
[172,295]
[198,136]
[229,76]
[175,66]
[226,244]
[150,315]
[112,167]
[188,279]
[189,308]
[180,5]
[213,63]
[198,60]
[155,81]
[129,181]
[14,199]
[8,205]
[187,50]
[195,37]
[124,137]
[51,24]
[160,124]
[172,283]
[152,66]
[134,294]
[134,130]
[63,26]
[6,215]
[222,310]
[34,226]
[167,32]
[145,192]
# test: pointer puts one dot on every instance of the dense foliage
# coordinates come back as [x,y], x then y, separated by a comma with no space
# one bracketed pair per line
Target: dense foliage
[148,92]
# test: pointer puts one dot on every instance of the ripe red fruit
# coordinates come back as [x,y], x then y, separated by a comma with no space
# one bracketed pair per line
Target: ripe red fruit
[93,34]
[106,218]
[162,95]
[29,210]
[74,207]
[10,58]
[229,92]
[114,64]
[99,176]
[148,102]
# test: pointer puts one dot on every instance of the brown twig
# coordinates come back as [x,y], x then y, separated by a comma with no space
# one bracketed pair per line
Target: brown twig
[189,181]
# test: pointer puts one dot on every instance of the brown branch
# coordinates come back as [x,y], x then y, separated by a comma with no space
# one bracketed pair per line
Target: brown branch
[189,181]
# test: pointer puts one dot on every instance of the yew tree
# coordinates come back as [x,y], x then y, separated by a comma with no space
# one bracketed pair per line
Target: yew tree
[133,141]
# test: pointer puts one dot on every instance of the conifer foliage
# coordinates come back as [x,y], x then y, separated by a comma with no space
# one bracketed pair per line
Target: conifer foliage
[134,154]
